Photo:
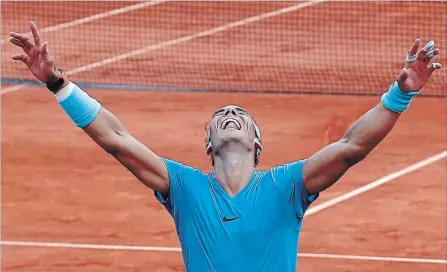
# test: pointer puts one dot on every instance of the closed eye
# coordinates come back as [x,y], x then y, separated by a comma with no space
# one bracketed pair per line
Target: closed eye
[241,111]
[219,112]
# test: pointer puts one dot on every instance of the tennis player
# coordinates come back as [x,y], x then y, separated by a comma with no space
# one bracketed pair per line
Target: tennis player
[236,218]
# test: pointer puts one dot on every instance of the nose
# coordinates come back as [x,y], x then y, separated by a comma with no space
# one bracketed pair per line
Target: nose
[230,111]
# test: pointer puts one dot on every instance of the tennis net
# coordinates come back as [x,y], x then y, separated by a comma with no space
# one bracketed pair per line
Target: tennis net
[316,46]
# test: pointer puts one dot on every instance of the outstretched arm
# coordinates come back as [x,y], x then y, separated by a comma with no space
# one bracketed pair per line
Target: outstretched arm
[100,124]
[108,132]
[325,167]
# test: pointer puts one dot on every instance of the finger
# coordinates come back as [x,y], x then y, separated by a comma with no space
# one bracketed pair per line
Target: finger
[431,55]
[427,48]
[21,57]
[414,49]
[24,39]
[19,44]
[44,51]
[434,66]
[35,32]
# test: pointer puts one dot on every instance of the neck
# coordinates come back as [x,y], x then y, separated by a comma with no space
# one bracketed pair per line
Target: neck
[233,170]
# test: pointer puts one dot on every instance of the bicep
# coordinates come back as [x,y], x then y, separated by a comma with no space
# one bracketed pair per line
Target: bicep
[109,133]
[329,164]
[143,163]
[326,166]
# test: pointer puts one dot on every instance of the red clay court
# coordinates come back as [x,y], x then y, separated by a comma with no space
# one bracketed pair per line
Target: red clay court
[163,68]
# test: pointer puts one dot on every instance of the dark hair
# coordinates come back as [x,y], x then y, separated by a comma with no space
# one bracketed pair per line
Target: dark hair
[208,139]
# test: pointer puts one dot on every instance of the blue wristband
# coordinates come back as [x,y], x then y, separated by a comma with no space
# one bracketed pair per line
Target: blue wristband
[396,100]
[80,107]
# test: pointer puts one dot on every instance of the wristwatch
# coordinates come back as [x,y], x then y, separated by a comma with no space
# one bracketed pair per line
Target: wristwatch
[55,85]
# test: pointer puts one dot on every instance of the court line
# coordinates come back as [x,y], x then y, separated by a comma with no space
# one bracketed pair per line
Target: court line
[310,211]
[376,183]
[181,40]
[314,210]
[372,258]
[242,1]
[176,249]
[94,17]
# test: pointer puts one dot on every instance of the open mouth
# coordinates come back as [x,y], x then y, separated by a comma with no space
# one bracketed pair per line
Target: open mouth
[231,123]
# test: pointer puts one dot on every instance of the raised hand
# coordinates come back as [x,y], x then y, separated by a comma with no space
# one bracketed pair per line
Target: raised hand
[417,69]
[36,55]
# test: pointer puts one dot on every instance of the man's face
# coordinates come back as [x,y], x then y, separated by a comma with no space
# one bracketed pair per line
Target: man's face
[232,124]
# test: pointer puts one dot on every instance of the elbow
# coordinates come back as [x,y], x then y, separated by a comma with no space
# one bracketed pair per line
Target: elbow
[113,144]
[356,158]
[354,152]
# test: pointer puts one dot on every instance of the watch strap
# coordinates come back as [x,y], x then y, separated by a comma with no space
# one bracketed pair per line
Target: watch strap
[56,85]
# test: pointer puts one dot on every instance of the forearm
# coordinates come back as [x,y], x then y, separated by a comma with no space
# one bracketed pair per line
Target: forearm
[326,166]
[101,125]
[369,130]
[107,131]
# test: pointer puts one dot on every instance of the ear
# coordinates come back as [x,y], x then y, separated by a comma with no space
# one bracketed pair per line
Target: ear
[258,144]
[209,148]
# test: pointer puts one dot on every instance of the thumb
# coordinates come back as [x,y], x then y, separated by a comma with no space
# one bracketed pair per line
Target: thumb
[402,76]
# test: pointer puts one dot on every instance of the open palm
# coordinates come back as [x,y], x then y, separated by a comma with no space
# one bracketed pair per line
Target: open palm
[36,56]
[415,74]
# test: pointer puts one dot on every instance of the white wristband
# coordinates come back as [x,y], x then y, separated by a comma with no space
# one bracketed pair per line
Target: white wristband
[63,93]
